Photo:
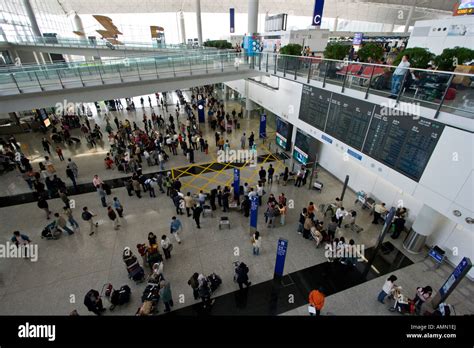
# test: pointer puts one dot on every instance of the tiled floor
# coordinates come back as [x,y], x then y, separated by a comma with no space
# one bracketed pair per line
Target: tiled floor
[68,267]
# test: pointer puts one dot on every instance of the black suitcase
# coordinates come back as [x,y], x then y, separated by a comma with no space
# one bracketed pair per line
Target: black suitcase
[121,296]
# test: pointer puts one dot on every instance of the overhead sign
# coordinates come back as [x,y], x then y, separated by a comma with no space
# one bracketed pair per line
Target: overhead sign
[357,40]
[318,12]
[263,126]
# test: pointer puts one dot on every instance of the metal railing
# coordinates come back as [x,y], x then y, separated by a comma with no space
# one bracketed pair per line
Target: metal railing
[38,78]
[100,43]
[452,92]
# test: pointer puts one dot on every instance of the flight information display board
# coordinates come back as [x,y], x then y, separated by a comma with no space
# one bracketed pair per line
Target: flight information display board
[404,143]
[314,106]
[348,120]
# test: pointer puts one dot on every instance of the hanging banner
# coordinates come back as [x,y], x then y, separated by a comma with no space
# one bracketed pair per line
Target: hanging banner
[263,126]
[318,12]
[236,183]
[253,212]
[232,20]
[280,257]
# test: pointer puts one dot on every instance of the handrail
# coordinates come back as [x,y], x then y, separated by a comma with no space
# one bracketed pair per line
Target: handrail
[364,63]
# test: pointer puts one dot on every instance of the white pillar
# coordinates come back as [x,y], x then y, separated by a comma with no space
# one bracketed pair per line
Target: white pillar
[198,21]
[252,17]
[34,25]
[249,105]
[182,28]
[336,22]
[427,221]
[410,16]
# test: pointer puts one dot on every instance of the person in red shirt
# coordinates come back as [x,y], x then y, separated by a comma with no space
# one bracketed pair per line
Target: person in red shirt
[59,151]
[316,300]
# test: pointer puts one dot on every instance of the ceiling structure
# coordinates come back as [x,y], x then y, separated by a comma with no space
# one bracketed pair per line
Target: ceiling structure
[380,11]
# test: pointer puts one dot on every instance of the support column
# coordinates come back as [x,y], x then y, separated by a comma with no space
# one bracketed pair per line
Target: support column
[410,16]
[34,25]
[427,221]
[198,21]
[252,17]
[182,28]
[249,105]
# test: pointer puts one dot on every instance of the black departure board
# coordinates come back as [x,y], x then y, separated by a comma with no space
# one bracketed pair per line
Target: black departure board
[314,106]
[404,143]
[348,119]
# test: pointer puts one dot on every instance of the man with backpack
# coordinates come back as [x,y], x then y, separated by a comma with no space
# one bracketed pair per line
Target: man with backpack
[88,216]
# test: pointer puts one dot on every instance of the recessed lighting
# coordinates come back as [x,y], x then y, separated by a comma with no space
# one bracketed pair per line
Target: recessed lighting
[469,220]
[457,213]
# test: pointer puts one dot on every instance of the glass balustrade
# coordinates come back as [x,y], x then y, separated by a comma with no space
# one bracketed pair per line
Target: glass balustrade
[440,90]
[81,74]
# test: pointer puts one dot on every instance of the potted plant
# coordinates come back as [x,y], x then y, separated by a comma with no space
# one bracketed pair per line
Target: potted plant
[451,57]
[336,50]
[418,57]
[290,63]
[370,50]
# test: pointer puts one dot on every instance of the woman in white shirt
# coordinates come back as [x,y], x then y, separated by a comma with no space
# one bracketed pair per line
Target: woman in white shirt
[257,243]
[387,288]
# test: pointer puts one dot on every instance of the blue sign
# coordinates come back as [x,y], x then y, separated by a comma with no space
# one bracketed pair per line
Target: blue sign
[318,12]
[281,256]
[357,38]
[201,111]
[436,256]
[232,20]
[236,182]
[327,139]
[263,126]
[459,272]
[253,211]
[354,154]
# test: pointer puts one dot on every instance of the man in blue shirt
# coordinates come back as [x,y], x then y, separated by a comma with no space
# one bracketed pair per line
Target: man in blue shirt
[398,74]
[174,227]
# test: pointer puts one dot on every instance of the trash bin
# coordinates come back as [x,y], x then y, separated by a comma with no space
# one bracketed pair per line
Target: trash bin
[414,242]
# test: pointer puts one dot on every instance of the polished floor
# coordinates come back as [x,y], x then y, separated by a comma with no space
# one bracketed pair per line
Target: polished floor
[68,267]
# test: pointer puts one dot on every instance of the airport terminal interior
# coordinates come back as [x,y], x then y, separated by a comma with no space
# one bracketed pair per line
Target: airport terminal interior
[236,157]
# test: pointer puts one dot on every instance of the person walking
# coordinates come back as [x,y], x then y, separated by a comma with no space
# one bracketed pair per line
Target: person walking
[71,176]
[332,228]
[59,151]
[194,284]
[43,204]
[61,224]
[197,210]
[70,218]
[387,288]
[113,217]
[340,213]
[137,188]
[118,207]
[73,166]
[316,301]
[242,275]
[270,172]
[102,195]
[89,217]
[178,203]
[283,210]
[175,226]
[165,295]
[64,198]
[256,242]
[243,139]
[188,203]
[46,144]
[166,246]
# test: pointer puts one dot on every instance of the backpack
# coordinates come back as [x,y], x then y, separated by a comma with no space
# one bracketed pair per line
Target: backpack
[86,216]
[121,296]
